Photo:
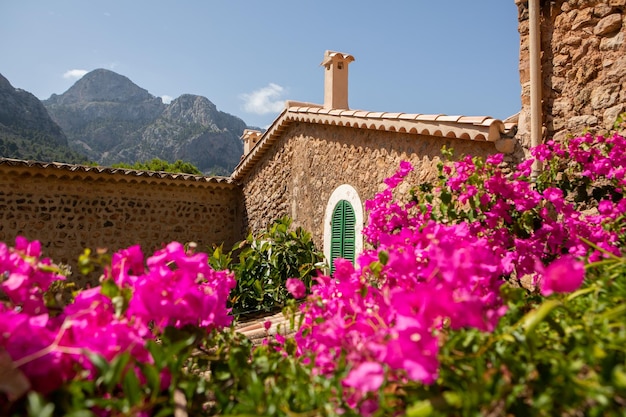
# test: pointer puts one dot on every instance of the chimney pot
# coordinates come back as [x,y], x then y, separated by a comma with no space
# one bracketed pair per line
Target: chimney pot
[336,79]
[250,138]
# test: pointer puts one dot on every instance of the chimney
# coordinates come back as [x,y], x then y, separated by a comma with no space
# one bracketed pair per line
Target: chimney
[336,79]
[250,138]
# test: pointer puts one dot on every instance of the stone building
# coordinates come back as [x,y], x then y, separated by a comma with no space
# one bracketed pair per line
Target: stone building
[318,163]
[573,60]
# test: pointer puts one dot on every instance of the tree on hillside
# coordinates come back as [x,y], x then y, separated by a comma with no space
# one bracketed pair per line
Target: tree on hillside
[157,164]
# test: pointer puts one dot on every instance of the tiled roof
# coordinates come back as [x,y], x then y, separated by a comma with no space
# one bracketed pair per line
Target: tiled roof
[122,174]
[481,128]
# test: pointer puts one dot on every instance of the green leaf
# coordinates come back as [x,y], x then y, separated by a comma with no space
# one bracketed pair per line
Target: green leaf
[258,287]
[420,409]
[80,413]
[383,257]
[113,376]
[532,319]
[38,407]
[453,399]
[109,288]
[156,350]
[98,361]
[153,377]
[446,198]
[132,388]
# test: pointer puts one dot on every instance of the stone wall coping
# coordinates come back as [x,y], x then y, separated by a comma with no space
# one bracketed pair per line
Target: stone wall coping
[477,128]
[58,169]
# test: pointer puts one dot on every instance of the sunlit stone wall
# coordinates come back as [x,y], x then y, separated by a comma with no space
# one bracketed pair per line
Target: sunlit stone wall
[583,66]
[69,209]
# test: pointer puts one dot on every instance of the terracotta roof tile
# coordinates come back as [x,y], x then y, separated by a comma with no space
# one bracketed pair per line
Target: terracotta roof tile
[428,117]
[446,118]
[52,167]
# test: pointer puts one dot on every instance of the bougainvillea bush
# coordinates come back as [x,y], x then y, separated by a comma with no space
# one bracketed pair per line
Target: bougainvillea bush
[491,291]
[172,295]
[437,267]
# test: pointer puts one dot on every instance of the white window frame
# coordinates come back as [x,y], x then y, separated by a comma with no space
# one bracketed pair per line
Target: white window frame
[350,194]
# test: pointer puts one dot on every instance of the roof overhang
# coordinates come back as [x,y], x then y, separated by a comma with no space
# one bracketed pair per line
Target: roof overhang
[480,128]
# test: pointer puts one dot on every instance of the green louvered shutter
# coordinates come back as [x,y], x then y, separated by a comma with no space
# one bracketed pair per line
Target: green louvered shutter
[349,222]
[343,233]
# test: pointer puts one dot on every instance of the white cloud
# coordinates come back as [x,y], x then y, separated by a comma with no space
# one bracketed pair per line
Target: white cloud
[74,74]
[265,100]
[167,99]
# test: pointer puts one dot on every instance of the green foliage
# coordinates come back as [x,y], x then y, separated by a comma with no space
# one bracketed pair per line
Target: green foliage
[562,356]
[170,383]
[160,165]
[265,262]
[558,356]
[220,373]
[261,381]
[36,145]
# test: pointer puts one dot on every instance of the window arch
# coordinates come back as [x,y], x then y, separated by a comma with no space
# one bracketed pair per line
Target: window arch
[343,225]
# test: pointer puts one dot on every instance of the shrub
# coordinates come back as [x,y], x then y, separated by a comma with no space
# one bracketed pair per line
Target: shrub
[265,262]
[435,271]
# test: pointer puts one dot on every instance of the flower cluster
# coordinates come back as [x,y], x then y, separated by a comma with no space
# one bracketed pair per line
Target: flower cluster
[571,203]
[389,312]
[135,303]
[437,262]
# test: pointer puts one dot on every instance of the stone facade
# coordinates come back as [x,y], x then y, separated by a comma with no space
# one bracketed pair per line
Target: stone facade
[583,66]
[302,169]
[70,209]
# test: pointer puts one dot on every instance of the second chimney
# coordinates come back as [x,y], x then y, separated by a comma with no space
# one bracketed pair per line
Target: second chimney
[336,79]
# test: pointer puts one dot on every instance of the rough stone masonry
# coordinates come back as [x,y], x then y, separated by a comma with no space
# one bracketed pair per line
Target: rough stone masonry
[583,66]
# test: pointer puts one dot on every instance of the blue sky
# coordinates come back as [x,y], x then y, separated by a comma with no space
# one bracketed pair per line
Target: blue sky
[249,56]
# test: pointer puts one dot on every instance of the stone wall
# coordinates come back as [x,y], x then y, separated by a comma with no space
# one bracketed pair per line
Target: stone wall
[69,211]
[298,174]
[583,66]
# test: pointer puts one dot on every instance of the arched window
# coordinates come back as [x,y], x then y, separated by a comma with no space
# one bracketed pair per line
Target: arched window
[343,225]
[343,233]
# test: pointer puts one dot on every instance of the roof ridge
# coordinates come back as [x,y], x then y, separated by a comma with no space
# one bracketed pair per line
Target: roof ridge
[115,171]
[479,128]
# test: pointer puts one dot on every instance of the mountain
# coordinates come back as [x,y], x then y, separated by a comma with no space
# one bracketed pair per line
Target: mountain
[27,131]
[111,119]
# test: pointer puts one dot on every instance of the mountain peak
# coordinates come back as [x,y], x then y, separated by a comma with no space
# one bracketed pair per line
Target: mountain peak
[102,85]
[4,83]
[26,129]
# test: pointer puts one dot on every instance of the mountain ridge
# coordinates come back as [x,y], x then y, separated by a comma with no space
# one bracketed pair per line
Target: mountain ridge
[110,119]
[26,129]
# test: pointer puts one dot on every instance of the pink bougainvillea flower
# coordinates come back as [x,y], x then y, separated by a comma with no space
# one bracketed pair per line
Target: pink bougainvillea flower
[564,275]
[126,264]
[296,287]
[366,377]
